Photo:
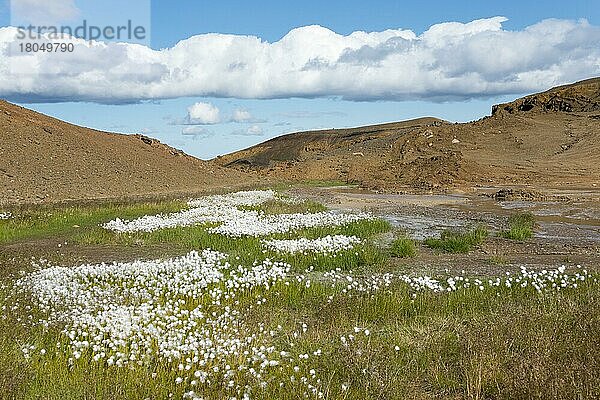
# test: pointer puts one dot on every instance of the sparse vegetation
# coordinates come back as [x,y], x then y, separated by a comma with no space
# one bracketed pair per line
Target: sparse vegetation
[520,227]
[311,183]
[458,241]
[498,260]
[403,247]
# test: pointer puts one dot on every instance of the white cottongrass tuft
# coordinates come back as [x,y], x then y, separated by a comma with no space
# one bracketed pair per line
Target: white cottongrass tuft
[187,312]
[235,222]
[543,281]
[260,225]
[325,245]
[146,309]
[216,208]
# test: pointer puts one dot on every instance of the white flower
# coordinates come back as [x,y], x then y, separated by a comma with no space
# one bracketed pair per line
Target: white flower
[235,222]
[327,244]
[112,309]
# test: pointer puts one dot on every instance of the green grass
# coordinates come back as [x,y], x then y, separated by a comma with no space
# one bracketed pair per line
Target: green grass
[361,257]
[363,229]
[32,223]
[466,344]
[458,241]
[403,247]
[520,227]
[248,249]
[498,344]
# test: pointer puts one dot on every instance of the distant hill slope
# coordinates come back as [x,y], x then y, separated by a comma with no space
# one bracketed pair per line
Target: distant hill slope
[546,139]
[44,159]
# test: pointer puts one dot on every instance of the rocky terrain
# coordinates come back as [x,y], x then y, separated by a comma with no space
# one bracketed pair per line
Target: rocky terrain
[43,159]
[545,140]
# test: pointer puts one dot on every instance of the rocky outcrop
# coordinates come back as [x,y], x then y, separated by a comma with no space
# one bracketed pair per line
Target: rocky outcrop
[579,97]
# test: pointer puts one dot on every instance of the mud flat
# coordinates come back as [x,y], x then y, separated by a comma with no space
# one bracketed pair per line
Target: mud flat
[567,231]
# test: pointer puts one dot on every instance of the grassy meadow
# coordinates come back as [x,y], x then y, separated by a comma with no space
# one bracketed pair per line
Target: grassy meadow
[335,325]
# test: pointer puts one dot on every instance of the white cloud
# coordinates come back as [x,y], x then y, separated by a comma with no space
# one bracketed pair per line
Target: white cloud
[203,114]
[252,130]
[450,61]
[241,115]
[255,130]
[42,12]
[196,131]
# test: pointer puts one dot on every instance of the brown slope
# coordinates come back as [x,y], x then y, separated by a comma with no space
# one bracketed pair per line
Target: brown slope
[549,139]
[45,159]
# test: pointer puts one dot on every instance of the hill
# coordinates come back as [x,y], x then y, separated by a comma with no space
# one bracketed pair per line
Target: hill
[45,159]
[549,139]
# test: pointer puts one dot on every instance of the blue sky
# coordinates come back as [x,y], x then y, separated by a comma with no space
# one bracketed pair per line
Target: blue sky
[271,20]
[284,110]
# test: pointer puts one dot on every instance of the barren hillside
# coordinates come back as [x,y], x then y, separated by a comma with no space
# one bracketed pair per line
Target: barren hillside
[44,159]
[550,139]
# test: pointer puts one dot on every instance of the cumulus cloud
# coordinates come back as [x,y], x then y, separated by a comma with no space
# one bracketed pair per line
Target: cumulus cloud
[203,114]
[449,61]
